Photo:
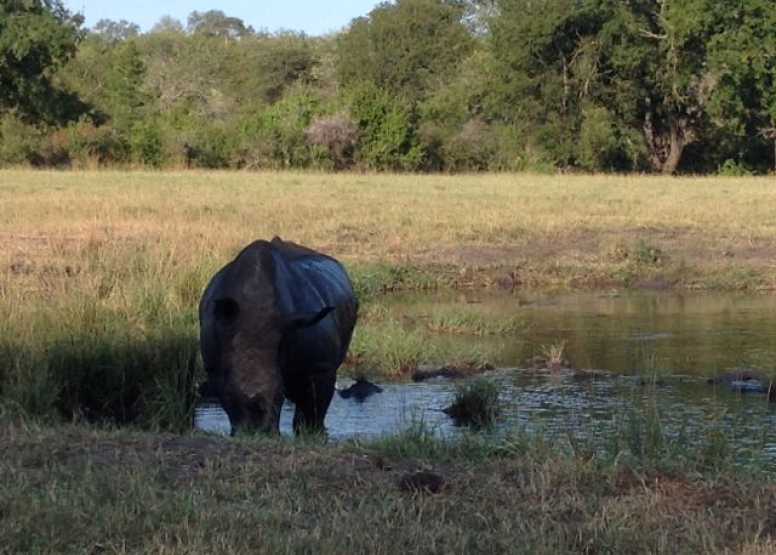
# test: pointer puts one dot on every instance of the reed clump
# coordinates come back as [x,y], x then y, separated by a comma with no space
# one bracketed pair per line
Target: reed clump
[476,404]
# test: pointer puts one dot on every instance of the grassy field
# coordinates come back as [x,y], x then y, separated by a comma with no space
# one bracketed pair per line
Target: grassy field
[100,275]
[702,232]
[101,272]
[74,489]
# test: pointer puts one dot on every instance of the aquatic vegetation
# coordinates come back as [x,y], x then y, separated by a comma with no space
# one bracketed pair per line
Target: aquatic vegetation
[370,280]
[554,353]
[475,404]
[389,347]
[472,320]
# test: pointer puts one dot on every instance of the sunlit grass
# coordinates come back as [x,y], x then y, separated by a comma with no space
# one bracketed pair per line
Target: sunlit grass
[113,263]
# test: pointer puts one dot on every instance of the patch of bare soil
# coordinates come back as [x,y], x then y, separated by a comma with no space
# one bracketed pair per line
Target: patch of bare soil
[585,258]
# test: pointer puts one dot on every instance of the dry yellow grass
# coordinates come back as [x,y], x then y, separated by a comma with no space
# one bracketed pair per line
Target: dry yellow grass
[586,224]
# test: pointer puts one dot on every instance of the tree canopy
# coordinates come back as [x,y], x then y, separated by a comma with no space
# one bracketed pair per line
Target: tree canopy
[37,37]
[414,85]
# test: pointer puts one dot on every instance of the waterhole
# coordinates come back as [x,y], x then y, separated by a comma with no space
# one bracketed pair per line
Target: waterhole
[654,351]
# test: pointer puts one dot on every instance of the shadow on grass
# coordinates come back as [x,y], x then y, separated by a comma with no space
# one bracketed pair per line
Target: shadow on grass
[109,379]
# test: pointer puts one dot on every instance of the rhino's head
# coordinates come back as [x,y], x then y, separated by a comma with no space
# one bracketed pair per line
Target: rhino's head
[250,334]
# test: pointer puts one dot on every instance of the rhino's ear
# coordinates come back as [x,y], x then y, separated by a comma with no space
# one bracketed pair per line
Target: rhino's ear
[304,319]
[226,310]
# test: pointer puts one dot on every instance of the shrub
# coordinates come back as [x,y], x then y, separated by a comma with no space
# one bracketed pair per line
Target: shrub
[336,135]
[18,141]
[387,139]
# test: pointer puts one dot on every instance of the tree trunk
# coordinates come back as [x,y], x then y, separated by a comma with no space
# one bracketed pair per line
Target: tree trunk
[677,141]
[665,142]
[770,133]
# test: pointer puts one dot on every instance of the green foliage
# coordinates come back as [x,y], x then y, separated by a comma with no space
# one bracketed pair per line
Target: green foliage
[408,47]
[606,144]
[583,71]
[88,144]
[415,85]
[36,38]
[731,168]
[124,97]
[275,64]
[275,138]
[454,135]
[387,138]
[18,141]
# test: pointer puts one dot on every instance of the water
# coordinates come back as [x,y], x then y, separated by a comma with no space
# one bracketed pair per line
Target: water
[681,338]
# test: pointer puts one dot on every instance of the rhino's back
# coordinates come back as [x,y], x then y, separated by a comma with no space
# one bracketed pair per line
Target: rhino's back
[307,281]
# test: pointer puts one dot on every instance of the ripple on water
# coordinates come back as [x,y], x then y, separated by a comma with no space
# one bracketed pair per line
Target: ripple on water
[554,407]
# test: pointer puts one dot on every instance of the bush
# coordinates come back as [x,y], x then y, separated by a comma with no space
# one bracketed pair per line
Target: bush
[388,141]
[88,145]
[147,145]
[275,138]
[335,138]
[18,141]
[732,168]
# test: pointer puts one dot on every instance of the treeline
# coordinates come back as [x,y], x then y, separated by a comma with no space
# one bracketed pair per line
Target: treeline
[416,85]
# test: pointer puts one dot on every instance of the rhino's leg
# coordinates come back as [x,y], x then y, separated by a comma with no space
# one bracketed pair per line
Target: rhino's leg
[311,395]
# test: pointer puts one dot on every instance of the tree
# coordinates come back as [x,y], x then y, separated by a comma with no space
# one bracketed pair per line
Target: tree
[216,23]
[187,74]
[116,31]
[37,37]
[544,71]
[387,139]
[478,13]
[268,65]
[646,61]
[408,48]
[124,94]
[743,64]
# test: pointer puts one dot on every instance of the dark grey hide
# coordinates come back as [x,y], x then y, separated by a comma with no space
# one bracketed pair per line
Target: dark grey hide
[276,322]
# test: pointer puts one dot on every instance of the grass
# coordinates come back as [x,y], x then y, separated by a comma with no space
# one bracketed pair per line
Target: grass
[101,272]
[474,320]
[100,275]
[475,404]
[76,489]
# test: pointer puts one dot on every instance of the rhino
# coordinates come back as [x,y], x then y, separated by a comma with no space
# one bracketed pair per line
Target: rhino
[276,323]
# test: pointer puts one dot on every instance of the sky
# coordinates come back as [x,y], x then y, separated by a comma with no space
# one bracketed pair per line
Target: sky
[314,17]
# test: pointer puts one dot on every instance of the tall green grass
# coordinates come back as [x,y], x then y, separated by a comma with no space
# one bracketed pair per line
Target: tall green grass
[115,340]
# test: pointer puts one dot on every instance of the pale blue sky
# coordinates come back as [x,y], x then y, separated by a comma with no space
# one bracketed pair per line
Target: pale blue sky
[314,17]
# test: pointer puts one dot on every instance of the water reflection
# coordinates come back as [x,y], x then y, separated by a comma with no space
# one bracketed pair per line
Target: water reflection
[627,332]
